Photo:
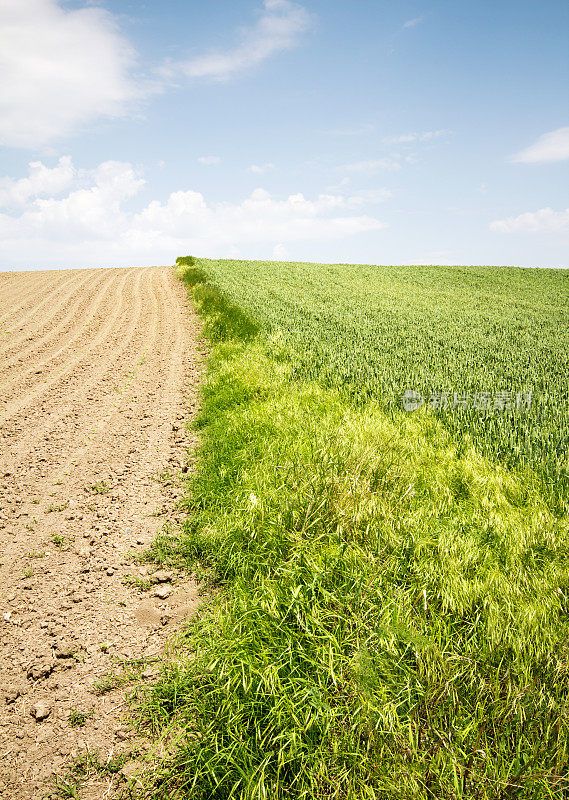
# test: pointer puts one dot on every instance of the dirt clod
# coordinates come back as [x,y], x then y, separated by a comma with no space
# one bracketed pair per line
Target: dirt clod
[38,671]
[161,576]
[41,710]
[11,695]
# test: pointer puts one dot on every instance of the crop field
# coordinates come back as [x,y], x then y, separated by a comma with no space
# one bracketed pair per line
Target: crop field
[391,608]
[479,344]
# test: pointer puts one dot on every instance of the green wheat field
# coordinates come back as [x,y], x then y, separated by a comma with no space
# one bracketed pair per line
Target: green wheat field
[389,613]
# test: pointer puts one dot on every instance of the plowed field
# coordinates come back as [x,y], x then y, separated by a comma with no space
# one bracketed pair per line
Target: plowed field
[98,371]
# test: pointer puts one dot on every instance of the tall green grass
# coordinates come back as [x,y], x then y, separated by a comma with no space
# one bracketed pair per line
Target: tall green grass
[393,615]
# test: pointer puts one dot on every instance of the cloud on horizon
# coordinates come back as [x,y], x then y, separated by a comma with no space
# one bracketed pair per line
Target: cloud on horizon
[41,181]
[546,220]
[92,224]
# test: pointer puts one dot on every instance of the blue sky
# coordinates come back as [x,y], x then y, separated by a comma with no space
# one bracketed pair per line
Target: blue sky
[326,130]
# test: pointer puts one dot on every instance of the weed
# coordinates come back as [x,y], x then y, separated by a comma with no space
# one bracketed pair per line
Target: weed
[108,682]
[78,718]
[143,584]
[166,476]
[98,488]
[60,541]
[86,764]
[90,762]
[66,787]
[53,507]
[130,671]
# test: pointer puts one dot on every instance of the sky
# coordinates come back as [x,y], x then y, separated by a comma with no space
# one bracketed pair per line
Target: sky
[360,131]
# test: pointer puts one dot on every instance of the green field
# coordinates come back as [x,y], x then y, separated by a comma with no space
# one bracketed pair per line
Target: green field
[469,331]
[391,607]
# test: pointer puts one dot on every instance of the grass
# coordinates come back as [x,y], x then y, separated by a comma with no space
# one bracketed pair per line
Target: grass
[87,764]
[60,507]
[392,615]
[98,488]
[469,332]
[128,671]
[78,718]
[66,787]
[110,681]
[142,584]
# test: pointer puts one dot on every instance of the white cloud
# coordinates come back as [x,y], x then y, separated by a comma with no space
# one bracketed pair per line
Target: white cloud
[260,217]
[94,224]
[41,180]
[210,161]
[424,136]
[84,215]
[412,22]
[260,169]
[545,220]
[370,167]
[552,146]
[278,29]
[280,253]
[396,159]
[60,69]
[63,68]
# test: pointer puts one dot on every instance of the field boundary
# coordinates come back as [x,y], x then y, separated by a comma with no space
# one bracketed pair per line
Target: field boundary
[384,625]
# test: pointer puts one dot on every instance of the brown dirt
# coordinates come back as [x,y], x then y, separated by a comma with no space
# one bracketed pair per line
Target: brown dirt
[98,372]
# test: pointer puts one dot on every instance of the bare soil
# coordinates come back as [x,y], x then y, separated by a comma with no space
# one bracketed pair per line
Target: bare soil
[98,374]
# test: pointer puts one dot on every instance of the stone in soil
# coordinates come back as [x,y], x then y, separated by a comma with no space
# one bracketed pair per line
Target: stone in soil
[11,695]
[41,710]
[161,576]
